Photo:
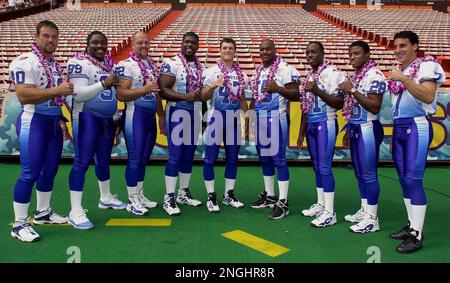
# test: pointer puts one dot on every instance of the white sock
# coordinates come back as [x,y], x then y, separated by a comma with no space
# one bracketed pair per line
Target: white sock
[75,200]
[418,217]
[283,187]
[132,190]
[184,180]
[140,187]
[105,189]
[407,202]
[329,201]
[372,209]
[269,184]
[20,211]
[209,186]
[320,199]
[229,185]
[364,204]
[171,184]
[43,200]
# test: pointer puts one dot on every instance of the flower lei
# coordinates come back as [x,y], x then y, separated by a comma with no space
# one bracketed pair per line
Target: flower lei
[194,83]
[306,97]
[255,80]
[349,99]
[231,95]
[143,68]
[396,87]
[107,65]
[59,100]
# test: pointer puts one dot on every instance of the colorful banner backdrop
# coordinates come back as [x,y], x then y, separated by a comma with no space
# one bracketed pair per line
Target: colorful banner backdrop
[439,149]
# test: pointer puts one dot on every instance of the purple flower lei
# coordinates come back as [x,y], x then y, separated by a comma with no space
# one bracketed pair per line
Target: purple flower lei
[349,99]
[194,83]
[107,64]
[255,80]
[231,95]
[306,97]
[59,100]
[396,87]
[143,69]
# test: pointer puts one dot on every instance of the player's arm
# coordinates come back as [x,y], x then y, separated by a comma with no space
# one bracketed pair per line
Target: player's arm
[374,99]
[208,91]
[424,91]
[169,94]
[30,94]
[289,91]
[302,130]
[125,93]
[335,101]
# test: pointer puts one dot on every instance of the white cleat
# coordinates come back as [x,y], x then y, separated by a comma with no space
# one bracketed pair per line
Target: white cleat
[314,210]
[147,203]
[23,231]
[111,202]
[78,219]
[184,197]
[231,200]
[170,206]
[357,217]
[48,216]
[211,204]
[135,206]
[325,219]
[368,224]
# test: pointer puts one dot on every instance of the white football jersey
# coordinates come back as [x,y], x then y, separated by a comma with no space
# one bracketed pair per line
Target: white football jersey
[26,69]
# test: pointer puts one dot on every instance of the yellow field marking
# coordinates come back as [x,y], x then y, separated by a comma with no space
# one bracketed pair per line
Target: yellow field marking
[138,222]
[256,243]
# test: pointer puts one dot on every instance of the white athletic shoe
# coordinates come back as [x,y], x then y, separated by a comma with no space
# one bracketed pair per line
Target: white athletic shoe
[357,217]
[147,203]
[231,200]
[211,204]
[111,202]
[185,197]
[314,210]
[135,206]
[170,206]
[368,224]
[325,219]
[23,231]
[78,219]
[48,216]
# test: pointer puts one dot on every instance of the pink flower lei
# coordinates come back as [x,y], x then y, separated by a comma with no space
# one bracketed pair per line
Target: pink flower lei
[194,83]
[226,77]
[396,87]
[306,97]
[255,81]
[143,69]
[349,99]
[59,100]
[107,65]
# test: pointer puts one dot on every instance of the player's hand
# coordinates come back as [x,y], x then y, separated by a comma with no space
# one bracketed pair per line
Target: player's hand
[65,88]
[193,96]
[271,86]
[219,82]
[111,80]
[300,139]
[346,141]
[162,125]
[312,87]
[396,75]
[346,86]
[64,129]
[151,86]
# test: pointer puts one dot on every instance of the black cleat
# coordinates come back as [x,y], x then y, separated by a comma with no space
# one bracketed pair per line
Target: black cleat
[264,201]
[280,210]
[411,244]
[403,234]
